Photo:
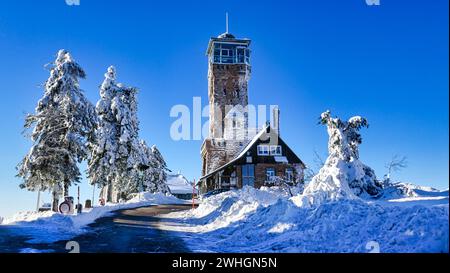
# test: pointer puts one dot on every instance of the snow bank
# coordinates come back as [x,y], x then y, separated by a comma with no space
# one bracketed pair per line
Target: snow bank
[251,220]
[47,227]
[402,190]
[224,209]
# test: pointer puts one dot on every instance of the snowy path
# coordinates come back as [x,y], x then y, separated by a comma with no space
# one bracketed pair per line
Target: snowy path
[125,231]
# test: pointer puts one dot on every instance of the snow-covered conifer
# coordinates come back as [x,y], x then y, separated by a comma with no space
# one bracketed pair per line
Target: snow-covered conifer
[102,168]
[155,176]
[62,122]
[343,174]
[130,162]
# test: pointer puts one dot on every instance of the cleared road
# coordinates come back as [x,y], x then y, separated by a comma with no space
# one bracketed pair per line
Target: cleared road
[125,231]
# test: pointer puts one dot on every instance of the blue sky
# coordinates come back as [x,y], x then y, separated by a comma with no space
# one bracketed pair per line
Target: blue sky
[388,63]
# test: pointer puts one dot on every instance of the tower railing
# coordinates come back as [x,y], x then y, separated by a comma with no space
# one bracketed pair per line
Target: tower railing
[229,59]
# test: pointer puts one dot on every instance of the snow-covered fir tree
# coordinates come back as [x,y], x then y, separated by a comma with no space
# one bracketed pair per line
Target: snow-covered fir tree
[102,167]
[155,176]
[63,121]
[129,160]
[121,164]
[343,174]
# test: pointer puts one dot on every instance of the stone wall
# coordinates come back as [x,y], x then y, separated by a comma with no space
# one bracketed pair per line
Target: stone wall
[227,84]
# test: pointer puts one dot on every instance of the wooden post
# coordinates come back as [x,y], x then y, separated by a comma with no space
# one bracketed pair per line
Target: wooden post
[193,192]
[93,195]
[38,199]
[78,198]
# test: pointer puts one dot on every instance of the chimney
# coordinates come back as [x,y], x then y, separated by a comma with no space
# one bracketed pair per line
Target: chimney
[275,122]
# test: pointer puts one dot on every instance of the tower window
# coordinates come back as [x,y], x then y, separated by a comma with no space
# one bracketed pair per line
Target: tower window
[230,53]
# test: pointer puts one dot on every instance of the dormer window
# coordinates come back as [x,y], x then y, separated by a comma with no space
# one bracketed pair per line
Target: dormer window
[275,150]
[263,150]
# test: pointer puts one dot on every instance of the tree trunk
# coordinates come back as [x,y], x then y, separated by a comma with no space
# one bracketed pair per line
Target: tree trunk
[66,188]
[109,193]
[55,203]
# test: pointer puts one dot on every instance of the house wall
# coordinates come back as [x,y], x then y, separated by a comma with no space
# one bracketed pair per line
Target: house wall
[260,172]
[260,175]
[239,177]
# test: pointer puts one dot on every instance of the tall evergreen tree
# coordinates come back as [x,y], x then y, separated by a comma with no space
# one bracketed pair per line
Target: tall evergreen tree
[116,158]
[102,167]
[130,161]
[119,162]
[62,122]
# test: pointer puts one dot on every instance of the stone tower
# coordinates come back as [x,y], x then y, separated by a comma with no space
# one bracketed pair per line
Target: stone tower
[228,75]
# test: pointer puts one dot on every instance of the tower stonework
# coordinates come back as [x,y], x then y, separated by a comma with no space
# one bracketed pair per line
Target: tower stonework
[227,84]
[228,75]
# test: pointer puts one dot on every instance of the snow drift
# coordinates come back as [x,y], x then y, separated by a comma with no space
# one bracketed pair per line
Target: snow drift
[251,220]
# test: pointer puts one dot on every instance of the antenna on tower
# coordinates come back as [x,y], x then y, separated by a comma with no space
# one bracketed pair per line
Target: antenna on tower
[226,21]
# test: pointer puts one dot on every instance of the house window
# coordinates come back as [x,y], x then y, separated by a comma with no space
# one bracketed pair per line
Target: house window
[248,175]
[275,150]
[270,174]
[289,174]
[233,179]
[263,150]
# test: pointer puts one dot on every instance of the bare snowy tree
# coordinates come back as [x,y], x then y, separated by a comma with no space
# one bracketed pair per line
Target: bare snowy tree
[396,164]
[318,160]
[310,172]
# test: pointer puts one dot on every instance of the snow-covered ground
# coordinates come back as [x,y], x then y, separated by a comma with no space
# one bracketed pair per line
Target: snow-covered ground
[48,227]
[406,219]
